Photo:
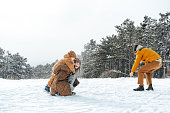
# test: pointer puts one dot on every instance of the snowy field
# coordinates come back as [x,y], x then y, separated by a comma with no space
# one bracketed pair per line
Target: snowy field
[93,96]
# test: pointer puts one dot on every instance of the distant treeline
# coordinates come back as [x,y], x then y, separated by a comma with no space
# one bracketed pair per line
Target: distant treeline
[112,57]
[14,66]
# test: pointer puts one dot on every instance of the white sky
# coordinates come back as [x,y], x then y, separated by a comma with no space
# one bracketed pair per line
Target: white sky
[44,30]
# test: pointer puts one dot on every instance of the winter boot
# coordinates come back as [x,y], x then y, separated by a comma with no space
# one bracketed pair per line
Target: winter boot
[73,93]
[47,88]
[150,87]
[140,88]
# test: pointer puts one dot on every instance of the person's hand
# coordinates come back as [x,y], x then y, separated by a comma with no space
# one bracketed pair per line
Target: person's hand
[131,74]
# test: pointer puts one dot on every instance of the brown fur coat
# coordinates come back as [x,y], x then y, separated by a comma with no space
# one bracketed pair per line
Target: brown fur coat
[60,83]
[67,60]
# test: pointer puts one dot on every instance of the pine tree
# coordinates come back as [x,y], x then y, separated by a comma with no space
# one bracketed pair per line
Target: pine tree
[106,55]
[164,23]
[43,71]
[15,66]
[88,59]
[148,28]
[2,63]
[126,34]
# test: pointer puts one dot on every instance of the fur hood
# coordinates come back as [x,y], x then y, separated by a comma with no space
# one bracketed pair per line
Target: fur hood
[70,54]
[66,61]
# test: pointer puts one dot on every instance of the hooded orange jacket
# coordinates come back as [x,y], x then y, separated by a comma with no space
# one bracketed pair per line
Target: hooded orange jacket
[145,55]
[67,60]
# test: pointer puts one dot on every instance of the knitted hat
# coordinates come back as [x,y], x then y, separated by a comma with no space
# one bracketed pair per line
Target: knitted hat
[134,48]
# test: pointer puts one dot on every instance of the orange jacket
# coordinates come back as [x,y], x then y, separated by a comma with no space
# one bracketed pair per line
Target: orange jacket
[145,55]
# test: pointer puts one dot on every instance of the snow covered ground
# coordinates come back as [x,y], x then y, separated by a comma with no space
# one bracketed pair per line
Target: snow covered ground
[93,96]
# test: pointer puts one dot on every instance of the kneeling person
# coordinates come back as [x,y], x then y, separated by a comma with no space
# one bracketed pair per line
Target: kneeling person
[64,80]
[68,60]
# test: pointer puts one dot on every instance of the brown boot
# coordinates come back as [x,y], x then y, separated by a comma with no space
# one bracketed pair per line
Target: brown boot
[150,87]
[140,88]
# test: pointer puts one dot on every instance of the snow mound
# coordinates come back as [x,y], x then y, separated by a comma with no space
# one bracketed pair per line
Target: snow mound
[92,96]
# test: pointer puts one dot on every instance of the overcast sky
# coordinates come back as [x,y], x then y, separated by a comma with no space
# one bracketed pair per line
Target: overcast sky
[44,30]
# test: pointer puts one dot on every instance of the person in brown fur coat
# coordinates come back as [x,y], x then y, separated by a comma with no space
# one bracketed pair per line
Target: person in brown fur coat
[68,60]
[64,80]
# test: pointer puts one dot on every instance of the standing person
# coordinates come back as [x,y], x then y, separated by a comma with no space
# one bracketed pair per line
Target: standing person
[64,80]
[68,60]
[152,60]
